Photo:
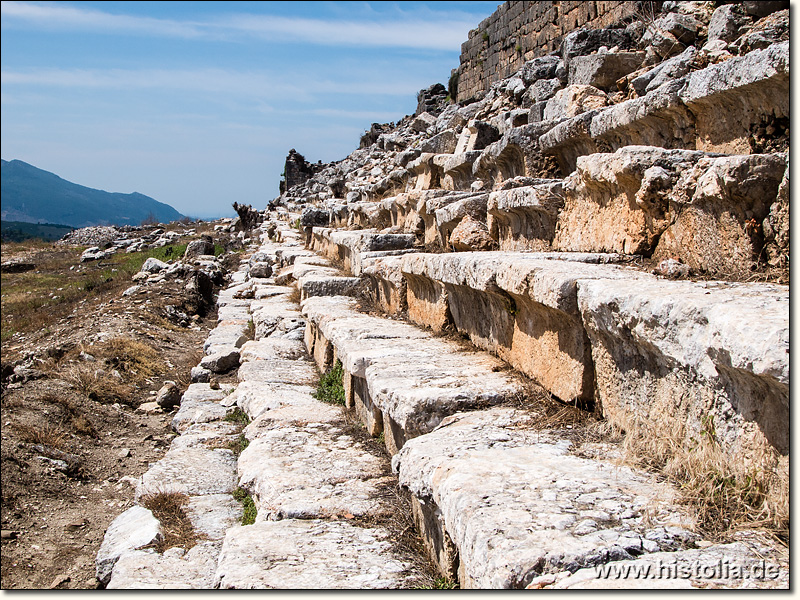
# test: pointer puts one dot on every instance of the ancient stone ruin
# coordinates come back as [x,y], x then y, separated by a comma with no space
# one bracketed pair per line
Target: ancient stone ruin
[595,225]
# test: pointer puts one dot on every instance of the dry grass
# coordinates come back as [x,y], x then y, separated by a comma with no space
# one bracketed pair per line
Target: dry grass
[176,526]
[99,386]
[46,434]
[134,360]
[78,421]
[724,494]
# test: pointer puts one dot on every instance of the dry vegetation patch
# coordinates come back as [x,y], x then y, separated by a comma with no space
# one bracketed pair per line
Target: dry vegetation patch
[176,527]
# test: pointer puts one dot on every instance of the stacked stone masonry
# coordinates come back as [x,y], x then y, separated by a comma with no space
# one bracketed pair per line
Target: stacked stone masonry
[520,31]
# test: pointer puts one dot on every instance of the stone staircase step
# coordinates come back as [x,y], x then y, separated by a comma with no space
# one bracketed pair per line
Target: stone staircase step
[411,377]
[514,503]
[310,554]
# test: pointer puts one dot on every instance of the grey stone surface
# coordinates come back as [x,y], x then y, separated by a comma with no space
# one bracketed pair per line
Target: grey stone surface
[175,569]
[517,504]
[311,471]
[295,554]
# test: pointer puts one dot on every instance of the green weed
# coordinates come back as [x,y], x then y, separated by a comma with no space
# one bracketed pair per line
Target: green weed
[331,386]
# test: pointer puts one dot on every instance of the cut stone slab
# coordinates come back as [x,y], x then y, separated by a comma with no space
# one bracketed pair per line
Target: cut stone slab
[226,335]
[201,404]
[279,370]
[414,378]
[213,515]
[326,285]
[516,504]
[311,471]
[296,554]
[676,354]
[294,415]
[135,528]
[525,217]
[175,569]
[195,471]
[523,306]
[269,348]
[255,397]
[221,361]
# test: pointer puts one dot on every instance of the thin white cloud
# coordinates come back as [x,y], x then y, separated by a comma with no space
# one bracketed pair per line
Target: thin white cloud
[435,31]
[213,81]
[66,17]
[440,34]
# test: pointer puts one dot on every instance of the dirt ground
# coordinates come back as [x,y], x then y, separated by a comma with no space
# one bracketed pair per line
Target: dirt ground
[72,449]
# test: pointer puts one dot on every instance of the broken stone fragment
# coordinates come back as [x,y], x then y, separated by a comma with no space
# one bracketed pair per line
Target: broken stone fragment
[169,395]
[471,235]
[135,528]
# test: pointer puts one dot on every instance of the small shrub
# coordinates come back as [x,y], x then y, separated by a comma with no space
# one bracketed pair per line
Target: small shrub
[238,416]
[331,386]
[250,511]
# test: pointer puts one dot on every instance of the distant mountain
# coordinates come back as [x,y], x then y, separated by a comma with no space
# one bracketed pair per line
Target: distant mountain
[36,196]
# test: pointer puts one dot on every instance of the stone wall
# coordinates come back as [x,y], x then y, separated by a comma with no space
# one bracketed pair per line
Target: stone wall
[522,30]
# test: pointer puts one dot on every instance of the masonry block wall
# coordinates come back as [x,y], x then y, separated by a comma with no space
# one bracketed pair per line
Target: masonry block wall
[522,30]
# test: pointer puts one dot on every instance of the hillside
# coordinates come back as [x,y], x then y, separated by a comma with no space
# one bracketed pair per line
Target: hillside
[37,196]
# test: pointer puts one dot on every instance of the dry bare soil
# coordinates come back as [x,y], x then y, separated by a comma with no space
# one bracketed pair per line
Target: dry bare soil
[73,442]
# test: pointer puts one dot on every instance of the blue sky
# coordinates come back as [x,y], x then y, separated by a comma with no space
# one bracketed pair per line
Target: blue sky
[197,103]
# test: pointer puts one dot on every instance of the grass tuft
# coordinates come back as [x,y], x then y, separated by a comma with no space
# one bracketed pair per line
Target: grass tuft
[238,416]
[331,386]
[243,497]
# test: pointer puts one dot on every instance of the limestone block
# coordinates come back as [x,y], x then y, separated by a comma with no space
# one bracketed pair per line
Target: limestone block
[296,554]
[669,70]
[698,207]
[574,100]
[448,217]
[689,357]
[471,235]
[311,471]
[548,511]
[715,210]
[279,371]
[225,335]
[135,528]
[255,397]
[713,109]
[525,218]
[195,471]
[602,70]
[442,143]
[521,306]
[222,361]
[213,515]
[412,377]
[175,569]
[307,411]
[386,283]
[266,349]
[728,98]
[324,285]
[197,411]
[598,214]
